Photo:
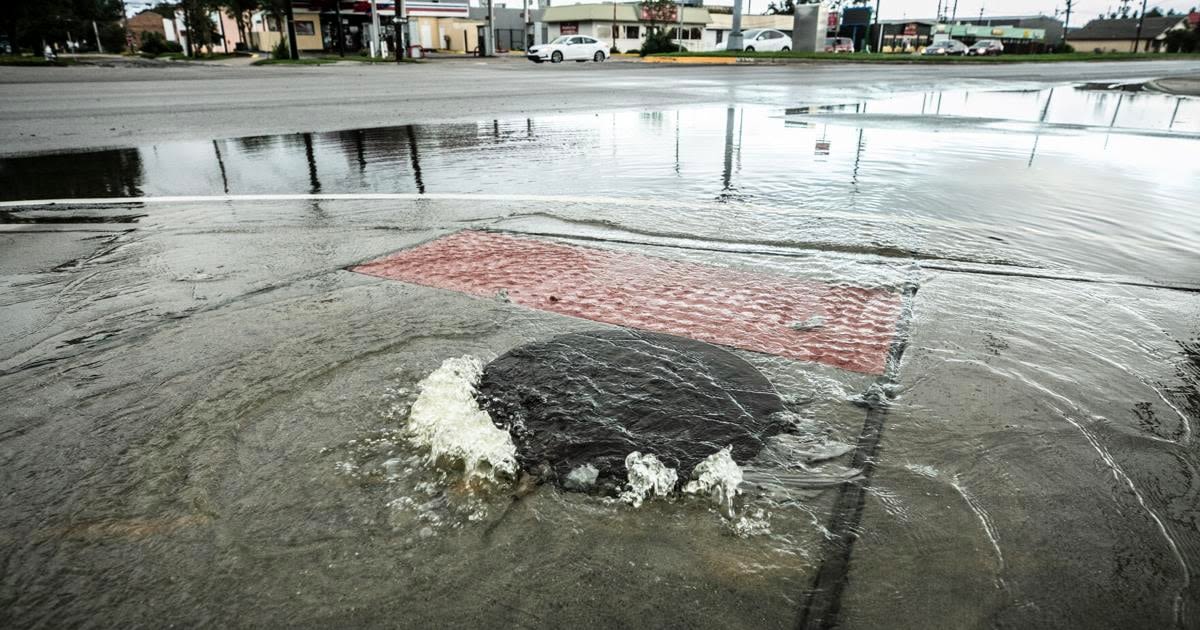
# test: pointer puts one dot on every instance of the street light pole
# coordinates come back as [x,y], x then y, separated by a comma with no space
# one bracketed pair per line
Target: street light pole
[735,29]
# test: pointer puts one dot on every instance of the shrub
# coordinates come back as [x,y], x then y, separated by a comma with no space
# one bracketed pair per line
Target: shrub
[281,50]
[153,43]
[1182,41]
[1065,49]
[659,42]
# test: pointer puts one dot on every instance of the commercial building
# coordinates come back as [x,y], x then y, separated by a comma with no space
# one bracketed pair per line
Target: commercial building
[626,26]
[1121,35]
[722,23]
[1019,34]
[147,22]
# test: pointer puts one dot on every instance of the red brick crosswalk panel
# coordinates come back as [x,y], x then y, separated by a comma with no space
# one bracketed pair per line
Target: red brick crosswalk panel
[752,311]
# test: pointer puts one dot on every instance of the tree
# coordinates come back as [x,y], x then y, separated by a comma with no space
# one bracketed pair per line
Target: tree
[30,24]
[197,21]
[1155,12]
[240,11]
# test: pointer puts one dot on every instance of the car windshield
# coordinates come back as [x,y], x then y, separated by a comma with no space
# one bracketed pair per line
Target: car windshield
[751,34]
[561,40]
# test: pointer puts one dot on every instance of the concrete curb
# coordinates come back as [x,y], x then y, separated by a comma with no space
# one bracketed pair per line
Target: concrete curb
[697,60]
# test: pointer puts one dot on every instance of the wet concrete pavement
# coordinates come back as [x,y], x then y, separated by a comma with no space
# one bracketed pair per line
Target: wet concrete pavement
[208,398]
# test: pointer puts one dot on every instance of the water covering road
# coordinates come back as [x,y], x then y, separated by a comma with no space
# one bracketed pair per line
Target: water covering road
[209,409]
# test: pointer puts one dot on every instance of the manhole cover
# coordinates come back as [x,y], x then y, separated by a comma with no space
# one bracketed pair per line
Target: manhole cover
[593,398]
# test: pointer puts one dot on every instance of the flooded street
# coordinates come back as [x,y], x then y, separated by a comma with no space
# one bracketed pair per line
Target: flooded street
[396,376]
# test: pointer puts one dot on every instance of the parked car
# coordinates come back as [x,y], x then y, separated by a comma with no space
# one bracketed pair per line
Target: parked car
[946,47]
[569,47]
[839,45]
[985,47]
[762,39]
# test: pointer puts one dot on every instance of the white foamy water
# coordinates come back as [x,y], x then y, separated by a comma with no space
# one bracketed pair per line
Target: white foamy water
[447,420]
[647,477]
[718,478]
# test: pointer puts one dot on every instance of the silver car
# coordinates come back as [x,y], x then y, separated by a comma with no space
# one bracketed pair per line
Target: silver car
[946,47]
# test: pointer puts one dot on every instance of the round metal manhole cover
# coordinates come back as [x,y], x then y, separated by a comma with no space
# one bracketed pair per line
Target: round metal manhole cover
[594,397]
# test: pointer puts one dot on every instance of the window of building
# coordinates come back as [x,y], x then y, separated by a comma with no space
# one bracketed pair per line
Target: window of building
[305,28]
[688,33]
[603,31]
[720,36]
[272,24]
[693,33]
[632,32]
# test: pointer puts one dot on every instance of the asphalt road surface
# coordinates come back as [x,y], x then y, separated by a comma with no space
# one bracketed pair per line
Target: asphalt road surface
[52,109]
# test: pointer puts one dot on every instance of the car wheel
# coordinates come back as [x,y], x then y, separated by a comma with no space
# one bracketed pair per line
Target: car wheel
[598,57]
[749,49]
[784,49]
[556,57]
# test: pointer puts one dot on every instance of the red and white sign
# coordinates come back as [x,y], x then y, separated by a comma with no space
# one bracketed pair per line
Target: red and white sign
[842,325]
[568,28]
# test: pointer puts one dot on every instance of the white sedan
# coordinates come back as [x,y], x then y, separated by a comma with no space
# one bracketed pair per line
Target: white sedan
[573,47]
[762,39]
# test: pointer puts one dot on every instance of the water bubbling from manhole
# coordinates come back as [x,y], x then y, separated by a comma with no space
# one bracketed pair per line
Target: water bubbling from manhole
[591,399]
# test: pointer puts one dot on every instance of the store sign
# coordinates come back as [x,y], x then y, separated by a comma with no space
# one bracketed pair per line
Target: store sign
[568,28]
[910,30]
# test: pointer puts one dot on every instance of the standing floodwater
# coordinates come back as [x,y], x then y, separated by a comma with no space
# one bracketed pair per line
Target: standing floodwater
[923,360]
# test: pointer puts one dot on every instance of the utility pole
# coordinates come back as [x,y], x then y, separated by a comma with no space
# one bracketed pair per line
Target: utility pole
[293,48]
[490,31]
[954,13]
[1067,22]
[735,30]
[96,30]
[374,28]
[337,9]
[1137,42]
[400,22]
[680,30]
[614,23]
[878,28]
